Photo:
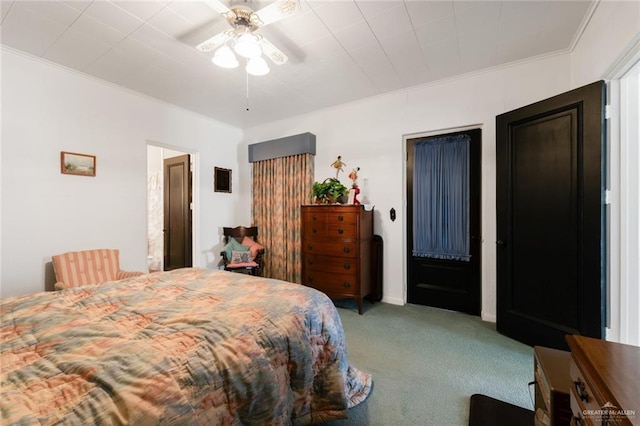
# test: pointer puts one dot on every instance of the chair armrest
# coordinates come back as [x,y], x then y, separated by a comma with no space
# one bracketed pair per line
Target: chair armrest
[128,274]
[60,285]
[224,258]
[258,258]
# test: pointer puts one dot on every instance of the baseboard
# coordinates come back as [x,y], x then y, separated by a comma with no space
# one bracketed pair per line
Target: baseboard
[397,301]
[488,317]
[393,301]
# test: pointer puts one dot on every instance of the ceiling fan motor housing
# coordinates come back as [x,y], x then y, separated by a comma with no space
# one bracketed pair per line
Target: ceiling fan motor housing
[243,20]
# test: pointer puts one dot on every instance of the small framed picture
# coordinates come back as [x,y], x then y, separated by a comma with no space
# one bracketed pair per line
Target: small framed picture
[72,163]
[221,180]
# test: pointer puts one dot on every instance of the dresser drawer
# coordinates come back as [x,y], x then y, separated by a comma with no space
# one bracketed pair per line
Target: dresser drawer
[582,396]
[346,248]
[344,284]
[331,264]
[329,230]
[330,215]
[577,419]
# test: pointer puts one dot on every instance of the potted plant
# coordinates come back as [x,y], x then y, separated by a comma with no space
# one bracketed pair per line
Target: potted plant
[329,191]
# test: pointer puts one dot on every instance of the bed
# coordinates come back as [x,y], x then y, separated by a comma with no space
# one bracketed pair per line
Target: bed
[191,346]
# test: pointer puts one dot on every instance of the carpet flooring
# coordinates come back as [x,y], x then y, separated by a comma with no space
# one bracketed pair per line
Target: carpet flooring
[427,363]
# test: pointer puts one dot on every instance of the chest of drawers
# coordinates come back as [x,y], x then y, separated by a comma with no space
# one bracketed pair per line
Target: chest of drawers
[336,250]
[605,382]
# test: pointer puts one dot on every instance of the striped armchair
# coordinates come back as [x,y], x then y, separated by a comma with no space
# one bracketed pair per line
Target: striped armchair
[78,268]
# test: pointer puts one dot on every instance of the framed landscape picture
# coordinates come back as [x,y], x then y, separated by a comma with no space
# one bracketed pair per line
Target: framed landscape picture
[72,163]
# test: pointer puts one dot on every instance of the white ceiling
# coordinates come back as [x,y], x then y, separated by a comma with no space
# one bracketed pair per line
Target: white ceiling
[339,51]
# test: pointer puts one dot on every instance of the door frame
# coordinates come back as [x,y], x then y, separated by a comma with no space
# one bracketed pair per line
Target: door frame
[405,254]
[195,198]
[622,316]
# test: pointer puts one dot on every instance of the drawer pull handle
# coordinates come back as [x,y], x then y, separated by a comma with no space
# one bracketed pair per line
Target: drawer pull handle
[340,231]
[347,284]
[340,218]
[582,391]
[346,250]
[315,217]
[347,266]
[310,279]
[315,229]
[310,261]
[309,246]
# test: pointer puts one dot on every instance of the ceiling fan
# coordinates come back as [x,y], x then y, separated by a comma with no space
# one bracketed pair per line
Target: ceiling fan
[241,36]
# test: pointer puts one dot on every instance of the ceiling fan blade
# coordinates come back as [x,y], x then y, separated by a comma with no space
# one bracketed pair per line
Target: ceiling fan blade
[272,52]
[277,10]
[218,6]
[215,41]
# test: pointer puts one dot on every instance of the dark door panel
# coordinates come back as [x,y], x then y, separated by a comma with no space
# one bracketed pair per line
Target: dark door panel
[447,284]
[441,275]
[549,216]
[177,213]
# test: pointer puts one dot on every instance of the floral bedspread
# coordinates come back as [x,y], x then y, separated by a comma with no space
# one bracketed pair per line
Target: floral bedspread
[191,346]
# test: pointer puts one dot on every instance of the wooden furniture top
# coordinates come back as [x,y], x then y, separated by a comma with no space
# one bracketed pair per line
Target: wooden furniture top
[338,206]
[613,368]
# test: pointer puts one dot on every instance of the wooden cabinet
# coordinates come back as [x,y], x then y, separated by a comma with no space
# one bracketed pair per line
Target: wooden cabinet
[605,382]
[552,383]
[336,250]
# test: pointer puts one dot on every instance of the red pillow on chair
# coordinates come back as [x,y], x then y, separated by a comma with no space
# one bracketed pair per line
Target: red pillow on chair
[254,247]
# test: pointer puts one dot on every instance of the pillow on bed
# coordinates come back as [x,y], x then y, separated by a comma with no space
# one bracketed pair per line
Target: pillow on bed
[233,245]
[240,256]
[254,247]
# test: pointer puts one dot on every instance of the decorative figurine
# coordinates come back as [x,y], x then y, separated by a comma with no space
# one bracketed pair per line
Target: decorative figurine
[338,164]
[354,176]
[354,191]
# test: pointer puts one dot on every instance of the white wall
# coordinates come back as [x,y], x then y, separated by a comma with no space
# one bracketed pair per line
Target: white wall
[369,134]
[47,109]
[612,27]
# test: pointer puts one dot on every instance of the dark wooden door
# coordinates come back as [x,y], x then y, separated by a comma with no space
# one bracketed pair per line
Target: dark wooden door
[550,241]
[447,284]
[177,213]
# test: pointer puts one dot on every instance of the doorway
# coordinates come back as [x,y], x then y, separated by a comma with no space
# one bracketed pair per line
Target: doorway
[171,208]
[443,220]
[550,218]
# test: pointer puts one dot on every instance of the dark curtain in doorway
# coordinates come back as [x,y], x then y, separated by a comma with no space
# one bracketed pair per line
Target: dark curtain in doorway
[441,198]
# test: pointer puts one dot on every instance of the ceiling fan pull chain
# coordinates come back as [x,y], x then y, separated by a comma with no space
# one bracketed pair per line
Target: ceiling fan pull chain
[247,80]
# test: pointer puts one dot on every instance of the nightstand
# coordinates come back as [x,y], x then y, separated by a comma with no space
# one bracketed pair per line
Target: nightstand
[552,384]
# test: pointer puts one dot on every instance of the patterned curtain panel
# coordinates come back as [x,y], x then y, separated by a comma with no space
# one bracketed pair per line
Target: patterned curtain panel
[280,186]
[441,198]
[155,221]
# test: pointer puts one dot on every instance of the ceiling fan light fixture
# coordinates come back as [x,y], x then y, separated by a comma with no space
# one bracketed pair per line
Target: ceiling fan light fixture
[247,46]
[257,66]
[225,58]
